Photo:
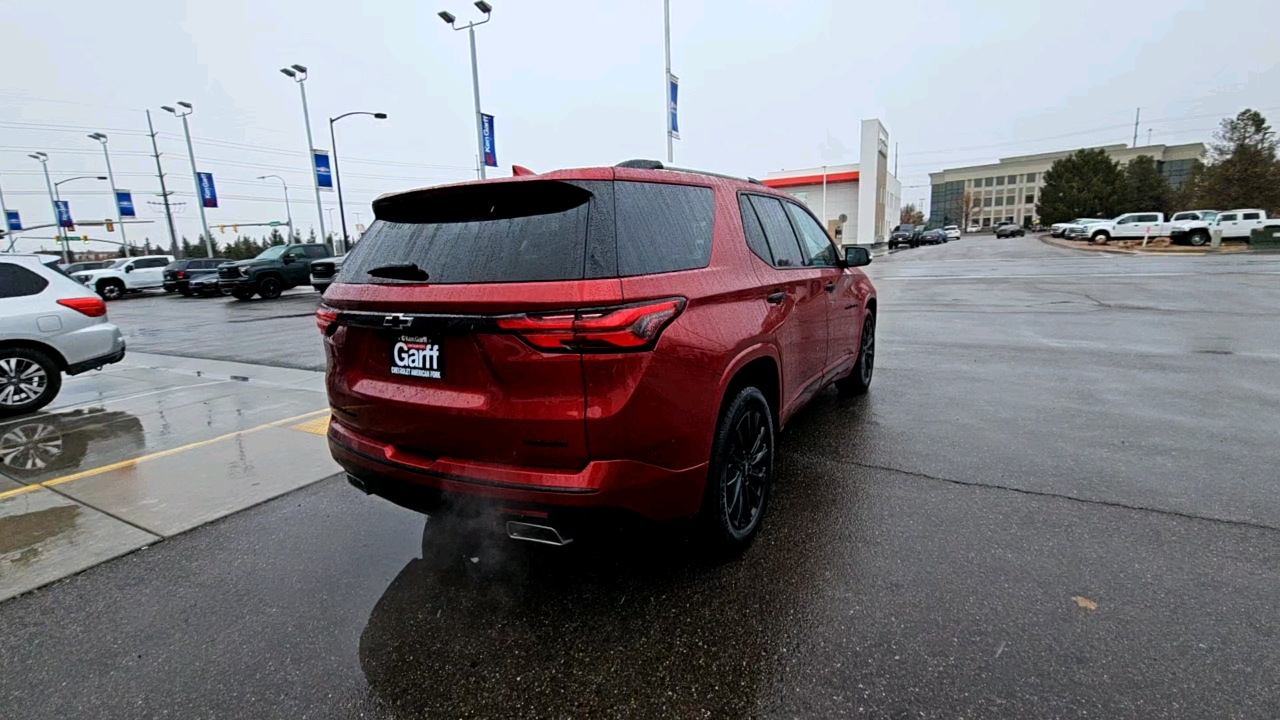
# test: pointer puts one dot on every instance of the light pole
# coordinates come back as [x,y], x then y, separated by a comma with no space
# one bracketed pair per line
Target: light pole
[333,143]
[298,73]
[115,199]
[287,212]
[470,27]
[43,159]
[195,174]
[57,195]
[4,209]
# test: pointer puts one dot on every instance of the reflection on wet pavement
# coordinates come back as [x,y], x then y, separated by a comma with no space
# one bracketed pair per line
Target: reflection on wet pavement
[145,449]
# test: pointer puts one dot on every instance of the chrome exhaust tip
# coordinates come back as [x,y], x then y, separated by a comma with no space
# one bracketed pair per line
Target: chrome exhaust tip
[544,534]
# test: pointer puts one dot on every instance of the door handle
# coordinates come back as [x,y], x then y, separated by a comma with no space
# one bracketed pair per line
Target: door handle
[831,287]
[775,298]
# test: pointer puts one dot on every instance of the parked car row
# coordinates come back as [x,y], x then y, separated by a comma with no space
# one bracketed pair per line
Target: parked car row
[916,235]
[274,270]
[1194,227]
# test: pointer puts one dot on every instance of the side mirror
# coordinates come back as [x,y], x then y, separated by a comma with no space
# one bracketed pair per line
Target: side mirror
[288,259]
[128,268]
[856,256]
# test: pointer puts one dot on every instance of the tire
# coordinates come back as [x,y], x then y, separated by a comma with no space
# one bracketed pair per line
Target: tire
[243,294]
[169,290]
[858,382]
[1199,238]
[270,288]
[1094,238]
[740,473]
[29,380]
[110,289]
[184,293]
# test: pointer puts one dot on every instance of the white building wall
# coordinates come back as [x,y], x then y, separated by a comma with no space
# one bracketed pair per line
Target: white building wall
[873,164]
[842,199]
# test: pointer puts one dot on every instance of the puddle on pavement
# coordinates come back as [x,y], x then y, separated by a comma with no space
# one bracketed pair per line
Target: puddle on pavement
[23,532]
[45,445]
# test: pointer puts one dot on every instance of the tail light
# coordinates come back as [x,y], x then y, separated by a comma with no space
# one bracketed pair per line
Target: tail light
[325,316]
[91,306]
[180,274]
[615,329]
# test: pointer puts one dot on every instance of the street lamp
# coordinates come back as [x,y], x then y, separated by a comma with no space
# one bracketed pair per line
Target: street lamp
[57,195]
[43,159]
[115,197]
[298,74]
[333,142]
[470,27]
[287,212]
[195,174]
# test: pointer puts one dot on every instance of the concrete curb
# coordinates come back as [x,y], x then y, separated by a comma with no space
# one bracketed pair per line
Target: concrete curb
[1189,252]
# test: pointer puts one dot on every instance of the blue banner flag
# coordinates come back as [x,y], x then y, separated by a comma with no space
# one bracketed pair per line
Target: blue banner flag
[124,201]
[673,85]
[208,193]
[490,146]
[14,222]
[64,214]
[324,176]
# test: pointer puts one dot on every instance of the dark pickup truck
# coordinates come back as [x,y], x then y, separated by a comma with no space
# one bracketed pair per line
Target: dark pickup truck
[905,234]
[178,274]
[275,270]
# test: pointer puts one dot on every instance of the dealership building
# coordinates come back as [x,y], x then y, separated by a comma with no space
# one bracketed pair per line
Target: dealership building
[858,203]
[1009,189]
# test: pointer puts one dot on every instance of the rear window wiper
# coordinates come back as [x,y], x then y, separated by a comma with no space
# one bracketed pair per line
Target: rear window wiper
[400,271]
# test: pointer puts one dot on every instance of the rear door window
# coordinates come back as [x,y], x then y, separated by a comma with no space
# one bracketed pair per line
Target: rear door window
[817,247]
[753,231]
[17,281]
[1250,216]
[662,227]
[778,231]
[504,232]
[316,252]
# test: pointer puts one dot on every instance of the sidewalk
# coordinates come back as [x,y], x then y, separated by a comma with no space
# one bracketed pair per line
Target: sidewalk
[147,449]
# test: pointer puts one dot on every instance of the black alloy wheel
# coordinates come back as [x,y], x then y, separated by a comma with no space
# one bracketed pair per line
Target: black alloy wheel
[29,380]
[859,381]
[270,288]
[741,472]
[1199,238]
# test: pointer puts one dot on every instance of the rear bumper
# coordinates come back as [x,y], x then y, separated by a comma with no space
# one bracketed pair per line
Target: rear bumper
[647,490]
[87,365]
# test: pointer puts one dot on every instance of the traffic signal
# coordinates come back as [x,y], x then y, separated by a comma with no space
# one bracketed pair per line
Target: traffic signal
[111,227]
[85,238]
[222,229]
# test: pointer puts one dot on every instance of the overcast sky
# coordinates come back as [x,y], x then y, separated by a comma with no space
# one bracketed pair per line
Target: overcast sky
[764,85]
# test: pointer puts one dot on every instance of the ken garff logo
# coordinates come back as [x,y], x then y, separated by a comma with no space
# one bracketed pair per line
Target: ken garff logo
[399,320]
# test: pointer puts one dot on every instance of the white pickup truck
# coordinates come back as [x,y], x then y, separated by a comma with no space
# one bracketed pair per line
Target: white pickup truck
[1130,226]
[126,275]
[1192,226]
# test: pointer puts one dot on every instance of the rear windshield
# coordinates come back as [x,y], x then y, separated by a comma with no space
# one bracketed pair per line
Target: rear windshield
[537,230]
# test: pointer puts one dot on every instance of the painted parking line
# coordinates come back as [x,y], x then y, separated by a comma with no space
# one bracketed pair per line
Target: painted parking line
[318,426]
[164,453]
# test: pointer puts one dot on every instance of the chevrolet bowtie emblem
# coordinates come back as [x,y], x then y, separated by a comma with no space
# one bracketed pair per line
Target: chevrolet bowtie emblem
[399,320]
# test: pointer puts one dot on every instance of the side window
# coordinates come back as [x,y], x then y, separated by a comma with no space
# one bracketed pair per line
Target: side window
[316,252]
[1147,218]
[662,227]
[753,231]
[815,243]
[296,252]
[1226,218]
[778,231]
[148,263]
[1250,216]
[17,281]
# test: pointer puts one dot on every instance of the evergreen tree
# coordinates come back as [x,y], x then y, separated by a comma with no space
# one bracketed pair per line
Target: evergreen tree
[1145,189]
[1086,183]
[1243,170]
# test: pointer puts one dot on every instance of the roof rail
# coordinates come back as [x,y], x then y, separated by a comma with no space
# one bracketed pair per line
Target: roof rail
[657,165]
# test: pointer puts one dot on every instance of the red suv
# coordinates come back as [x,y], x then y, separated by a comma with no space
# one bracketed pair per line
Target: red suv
[628,338]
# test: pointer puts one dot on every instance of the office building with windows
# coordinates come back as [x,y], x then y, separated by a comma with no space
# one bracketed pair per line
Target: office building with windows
[1009,189]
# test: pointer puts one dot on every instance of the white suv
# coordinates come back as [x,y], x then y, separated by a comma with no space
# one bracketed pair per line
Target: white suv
[49,325]
[126,275]
[1238,224]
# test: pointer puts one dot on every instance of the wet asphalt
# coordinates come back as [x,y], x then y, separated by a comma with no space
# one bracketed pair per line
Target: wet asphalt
[1060,499]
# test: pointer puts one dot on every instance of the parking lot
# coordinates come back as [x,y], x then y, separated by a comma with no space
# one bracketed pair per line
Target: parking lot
[1060,498]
